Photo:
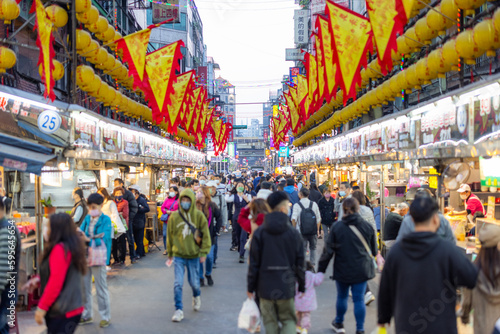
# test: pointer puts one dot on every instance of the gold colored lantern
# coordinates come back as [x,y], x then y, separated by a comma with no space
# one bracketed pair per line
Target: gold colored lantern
[82,5]
[450,54]
[89,17]
[467,48]
[57,15]
[424,32]
[469,6]
[83,39]
[484,35]
[9,10]
[7,59]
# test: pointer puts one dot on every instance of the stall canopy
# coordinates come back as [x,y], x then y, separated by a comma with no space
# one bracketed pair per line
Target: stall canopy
[22,155]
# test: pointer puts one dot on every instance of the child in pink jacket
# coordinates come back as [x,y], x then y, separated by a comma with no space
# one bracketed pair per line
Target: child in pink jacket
[306,302]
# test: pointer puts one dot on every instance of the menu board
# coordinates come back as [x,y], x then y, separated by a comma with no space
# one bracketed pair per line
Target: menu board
[131,143]
[87,134]
[449,123]
[148,147]
[487,116]
[374,139]
[391,138]
[407,133]
[111,140]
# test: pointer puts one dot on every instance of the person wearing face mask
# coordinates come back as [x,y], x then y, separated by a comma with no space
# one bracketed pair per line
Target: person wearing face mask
[343,193]
[132,208]
[97,227]
[119,252]
[170,205]
[240,200]
[220,200]
[139,222]
[184,252]
[326,206]
[110,209]
[473,204]
[80,210]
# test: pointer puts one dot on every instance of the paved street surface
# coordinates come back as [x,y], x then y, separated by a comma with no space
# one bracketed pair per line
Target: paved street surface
[142,300]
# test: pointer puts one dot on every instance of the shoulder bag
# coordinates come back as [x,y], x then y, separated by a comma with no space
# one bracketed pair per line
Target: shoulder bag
[164,217]
[363,241]
[197,234]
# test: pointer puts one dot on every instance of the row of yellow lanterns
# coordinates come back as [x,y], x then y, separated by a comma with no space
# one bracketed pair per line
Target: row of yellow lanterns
[469,44]
[91,83]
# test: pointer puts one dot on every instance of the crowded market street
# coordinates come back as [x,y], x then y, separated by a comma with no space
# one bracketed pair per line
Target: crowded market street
[142,300]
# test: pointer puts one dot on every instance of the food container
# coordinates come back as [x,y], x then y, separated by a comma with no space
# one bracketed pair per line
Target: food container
[484,189]
[493,189]
[476,186]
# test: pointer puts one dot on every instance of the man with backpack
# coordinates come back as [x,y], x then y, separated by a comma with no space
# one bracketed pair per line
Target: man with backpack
[307,219]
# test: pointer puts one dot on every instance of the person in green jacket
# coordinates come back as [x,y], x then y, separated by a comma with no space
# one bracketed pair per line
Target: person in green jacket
[183,250]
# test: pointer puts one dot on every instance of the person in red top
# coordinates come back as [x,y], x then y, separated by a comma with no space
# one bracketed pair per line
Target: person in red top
[119,244]
[62,268]
[252,216]
[472,202]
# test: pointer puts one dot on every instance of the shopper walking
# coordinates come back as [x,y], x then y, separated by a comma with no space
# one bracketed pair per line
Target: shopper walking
[220,200]
[307,219]
[62,268]
[133,207]
[349,240]
[120,251]
[170,205]
[393,224]
[290,190]
[276,252]
[265,190]
[306,303]
[364,211]
[484,299]
[188,244]
[419,301]
[240,200]
[97,227]
[139,222]
[314,193]
[343,193]
[80,210]
[326,207]
[213,215]
[119,229]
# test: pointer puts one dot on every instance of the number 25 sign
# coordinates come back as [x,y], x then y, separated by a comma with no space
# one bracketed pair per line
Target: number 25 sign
[49,121]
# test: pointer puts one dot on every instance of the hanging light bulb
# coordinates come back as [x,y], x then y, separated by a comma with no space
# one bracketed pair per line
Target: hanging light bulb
[111,172]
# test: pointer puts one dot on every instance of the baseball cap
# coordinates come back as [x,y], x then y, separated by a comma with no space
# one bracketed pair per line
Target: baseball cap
[463,188]
[211,184]
[136,187]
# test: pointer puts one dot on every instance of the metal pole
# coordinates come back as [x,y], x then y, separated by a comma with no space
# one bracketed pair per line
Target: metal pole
[39,219]
[74,61]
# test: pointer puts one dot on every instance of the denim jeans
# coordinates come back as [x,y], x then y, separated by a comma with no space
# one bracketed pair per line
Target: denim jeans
[165,236]
[192,266]
[358,298]
[209,263]
[310,240]
[216,248]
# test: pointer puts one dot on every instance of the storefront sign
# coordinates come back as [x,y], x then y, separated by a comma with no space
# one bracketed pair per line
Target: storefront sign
[111,140]
[169,9]
[284,150]
[149,147]
[301,19]
[374,139]
[131,143]
[487,116]
[294,55]
[407,133]
[15,164]
[49,121]
[87,134]
[443,124]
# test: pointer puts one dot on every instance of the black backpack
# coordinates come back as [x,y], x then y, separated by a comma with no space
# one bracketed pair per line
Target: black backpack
[308,222]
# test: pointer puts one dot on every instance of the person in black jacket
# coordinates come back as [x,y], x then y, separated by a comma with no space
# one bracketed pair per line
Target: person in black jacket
[393,224]
[276,265]
[353,266]
[139,222]
[314,193]
[132,209]
[326,206]
[420,277]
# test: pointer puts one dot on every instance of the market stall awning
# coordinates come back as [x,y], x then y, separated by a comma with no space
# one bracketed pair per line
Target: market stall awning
[22,155]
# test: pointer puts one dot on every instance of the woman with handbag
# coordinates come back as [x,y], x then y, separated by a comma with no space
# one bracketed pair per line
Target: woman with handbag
[170,205]
[213,214]
[120,243]
[110,209]
[353,242]
[63,265]
[97,227]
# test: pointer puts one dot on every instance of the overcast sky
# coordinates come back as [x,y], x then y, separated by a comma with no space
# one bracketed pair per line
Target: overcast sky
[248,40]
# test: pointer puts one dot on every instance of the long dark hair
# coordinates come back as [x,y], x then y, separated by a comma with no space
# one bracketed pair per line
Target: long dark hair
[350,206]
[79,192]
[314,186]
[174,188]
[487,259]
[105,194]
[63,230]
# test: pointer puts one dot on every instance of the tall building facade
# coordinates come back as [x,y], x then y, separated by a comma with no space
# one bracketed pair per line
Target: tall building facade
[225,101]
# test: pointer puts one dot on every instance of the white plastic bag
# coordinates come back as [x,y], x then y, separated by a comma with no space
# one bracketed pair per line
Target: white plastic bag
[249,317]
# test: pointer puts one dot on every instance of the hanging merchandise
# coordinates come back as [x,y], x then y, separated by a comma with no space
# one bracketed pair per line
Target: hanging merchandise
[44,42]
[350,46]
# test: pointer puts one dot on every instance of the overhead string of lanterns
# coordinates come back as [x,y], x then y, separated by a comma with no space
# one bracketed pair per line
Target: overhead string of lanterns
[483,38]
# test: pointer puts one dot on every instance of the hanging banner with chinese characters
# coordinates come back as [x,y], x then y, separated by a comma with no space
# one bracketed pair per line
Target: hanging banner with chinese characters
[329,64]
[312,80]
[352,38]
[320,71]
[45,42]
[303,96]
[386,24]
[181,90]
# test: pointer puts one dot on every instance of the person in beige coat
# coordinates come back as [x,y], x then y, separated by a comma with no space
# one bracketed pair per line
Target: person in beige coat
[484,299]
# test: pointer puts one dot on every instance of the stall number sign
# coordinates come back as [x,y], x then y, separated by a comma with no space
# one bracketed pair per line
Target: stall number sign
[49,121]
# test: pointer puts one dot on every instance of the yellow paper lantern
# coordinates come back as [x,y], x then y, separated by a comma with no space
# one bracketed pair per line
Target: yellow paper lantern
[496,20]
[401,80]
[98,27]
[82,5]
[469,6]
[394,87]
[436,64]
[423,71]
[9,10]
[108,64]
[7,59]
[103,90]
[484,35]
[101,57]
[450,54]
[450,9]
[89,17]
[467,48]
[436,21]
[57,15]
[412,40]
[83,39]
[424,32]
[93,86]
[107,35]
[58,71]
[84,75]
[91,51]
[412,77]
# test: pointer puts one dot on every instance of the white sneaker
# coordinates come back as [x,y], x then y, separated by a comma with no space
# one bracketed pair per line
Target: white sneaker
[229,228]
[304,331]
[197,303]
[178,316]
[369,298]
